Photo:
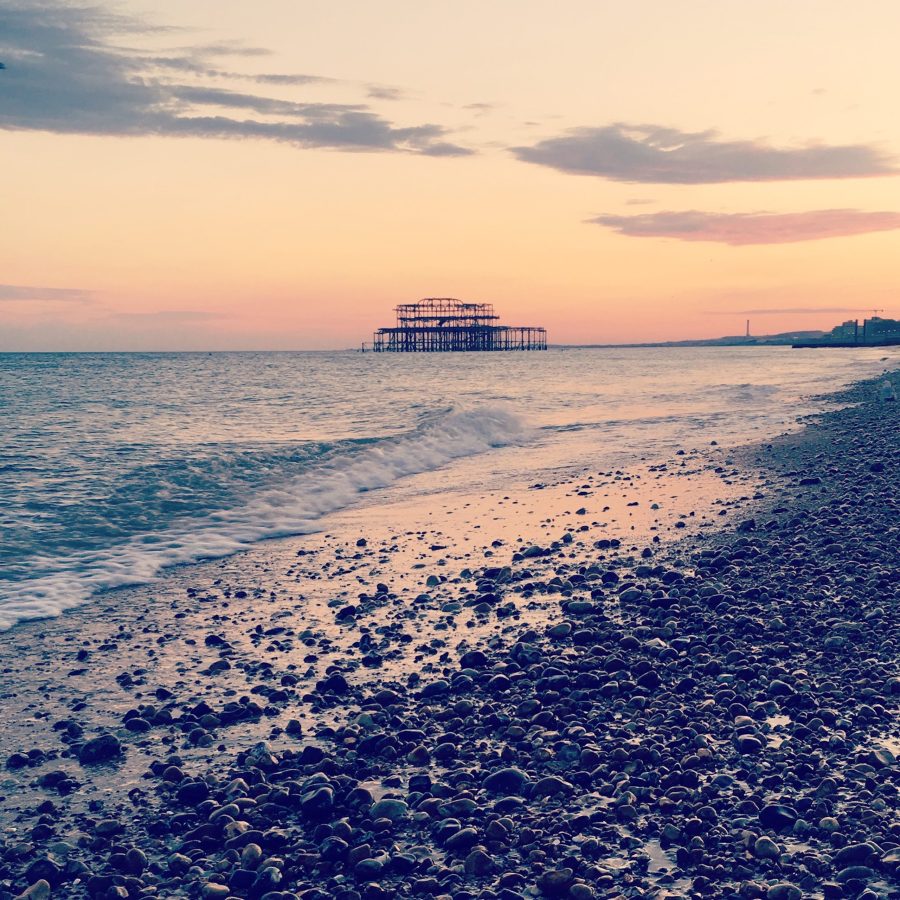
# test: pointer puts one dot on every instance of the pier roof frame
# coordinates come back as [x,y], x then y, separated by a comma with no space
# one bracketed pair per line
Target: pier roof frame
[445,324]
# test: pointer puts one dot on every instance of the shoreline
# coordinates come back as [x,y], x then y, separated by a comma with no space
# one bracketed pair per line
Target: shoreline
[606,777]
[172,499]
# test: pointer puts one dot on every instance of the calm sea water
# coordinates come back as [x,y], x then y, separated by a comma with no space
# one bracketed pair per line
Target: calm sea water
[115,466]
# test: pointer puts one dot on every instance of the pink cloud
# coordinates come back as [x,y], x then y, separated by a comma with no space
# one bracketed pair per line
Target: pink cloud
[739,229]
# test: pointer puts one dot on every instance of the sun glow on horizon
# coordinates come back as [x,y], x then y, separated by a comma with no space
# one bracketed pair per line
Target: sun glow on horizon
[282,176]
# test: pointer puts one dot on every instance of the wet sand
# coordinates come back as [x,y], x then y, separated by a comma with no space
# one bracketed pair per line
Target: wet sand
[672,681]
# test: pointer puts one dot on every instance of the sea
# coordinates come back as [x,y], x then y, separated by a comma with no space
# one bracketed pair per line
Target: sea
[115,467]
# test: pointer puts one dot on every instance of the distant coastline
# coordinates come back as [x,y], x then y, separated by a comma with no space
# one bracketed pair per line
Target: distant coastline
[786,339]
[773,341]
[873,332]
[769,341]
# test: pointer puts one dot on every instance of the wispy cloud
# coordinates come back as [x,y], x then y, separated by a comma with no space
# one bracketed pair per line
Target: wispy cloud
[27,292]
[385,92]
[654,154]
[200,64]
[739,229]
[786,311]
[289,79]
[480,109]
[67,72]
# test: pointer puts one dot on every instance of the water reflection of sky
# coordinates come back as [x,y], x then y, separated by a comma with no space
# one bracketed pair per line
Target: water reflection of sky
[99,448]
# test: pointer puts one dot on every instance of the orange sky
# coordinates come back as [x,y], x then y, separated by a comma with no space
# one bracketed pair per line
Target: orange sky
[615,172]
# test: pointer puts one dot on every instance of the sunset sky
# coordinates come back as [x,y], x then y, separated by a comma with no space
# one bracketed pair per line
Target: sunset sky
[216,174]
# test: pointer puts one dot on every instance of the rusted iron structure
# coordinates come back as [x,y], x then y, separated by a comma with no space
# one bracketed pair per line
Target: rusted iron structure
[443,324]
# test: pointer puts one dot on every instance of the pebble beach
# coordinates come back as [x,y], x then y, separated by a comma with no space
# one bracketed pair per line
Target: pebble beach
[674,680]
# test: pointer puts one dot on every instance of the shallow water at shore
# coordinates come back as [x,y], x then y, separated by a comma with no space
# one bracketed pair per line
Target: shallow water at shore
[116,466]
[308,580]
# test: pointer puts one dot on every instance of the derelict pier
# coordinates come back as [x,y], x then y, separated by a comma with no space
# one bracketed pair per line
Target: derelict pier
[443,324]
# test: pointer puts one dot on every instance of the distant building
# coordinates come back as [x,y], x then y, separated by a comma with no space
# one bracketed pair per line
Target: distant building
[878,329]
[870,331]
[846,331]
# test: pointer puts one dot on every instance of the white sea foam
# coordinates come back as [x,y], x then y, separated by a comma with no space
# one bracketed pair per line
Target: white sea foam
[112,465]
[292,508]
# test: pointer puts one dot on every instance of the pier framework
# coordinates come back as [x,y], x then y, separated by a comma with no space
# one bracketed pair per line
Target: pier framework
[444,324]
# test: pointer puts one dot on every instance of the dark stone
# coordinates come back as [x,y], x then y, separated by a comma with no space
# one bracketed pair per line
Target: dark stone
[506,781]
[100,749]
[777,817]
[191,793]
[138,725]
[17,761]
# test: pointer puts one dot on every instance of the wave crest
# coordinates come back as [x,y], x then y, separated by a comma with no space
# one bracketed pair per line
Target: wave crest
[288,509]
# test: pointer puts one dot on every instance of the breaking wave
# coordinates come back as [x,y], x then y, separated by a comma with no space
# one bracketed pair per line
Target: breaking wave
[292,506]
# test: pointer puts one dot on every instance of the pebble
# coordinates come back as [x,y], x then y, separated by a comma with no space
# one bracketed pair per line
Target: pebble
[593,718]
[388,808]
[783,891]
[40,890]
[100,749]
[766,848]
[506,781]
